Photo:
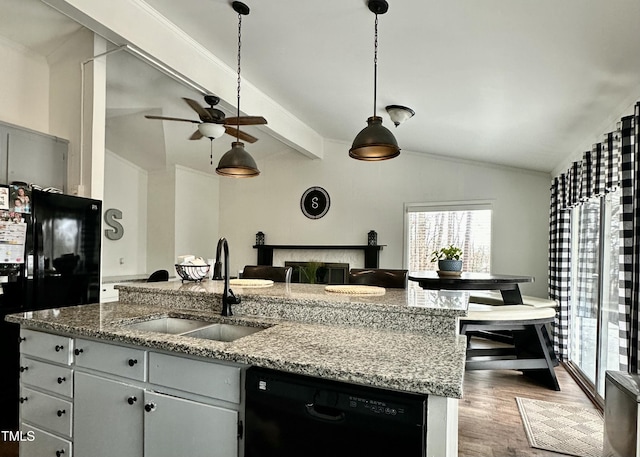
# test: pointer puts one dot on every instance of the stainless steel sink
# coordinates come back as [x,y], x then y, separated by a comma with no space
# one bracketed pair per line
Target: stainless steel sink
[170,325]
[223,332]
[195,328]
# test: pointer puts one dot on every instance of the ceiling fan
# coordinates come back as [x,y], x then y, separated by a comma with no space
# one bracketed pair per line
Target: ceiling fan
[213,122]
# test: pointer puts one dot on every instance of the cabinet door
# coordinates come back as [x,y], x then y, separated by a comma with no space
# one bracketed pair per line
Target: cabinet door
[175,426]
[108,418]
[27,148]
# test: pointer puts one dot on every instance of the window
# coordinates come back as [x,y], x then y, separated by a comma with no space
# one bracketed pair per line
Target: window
[430,227]
[593,336]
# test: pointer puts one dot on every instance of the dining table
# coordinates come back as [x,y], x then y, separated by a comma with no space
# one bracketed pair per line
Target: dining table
[508,285]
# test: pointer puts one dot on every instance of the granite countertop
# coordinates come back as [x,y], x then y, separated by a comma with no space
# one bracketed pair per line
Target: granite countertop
[403,340]
[414,299]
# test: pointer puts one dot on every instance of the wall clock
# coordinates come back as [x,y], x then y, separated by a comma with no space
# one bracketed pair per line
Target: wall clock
[315,202]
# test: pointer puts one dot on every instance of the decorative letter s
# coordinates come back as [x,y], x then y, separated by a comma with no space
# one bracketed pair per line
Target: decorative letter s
[110,217]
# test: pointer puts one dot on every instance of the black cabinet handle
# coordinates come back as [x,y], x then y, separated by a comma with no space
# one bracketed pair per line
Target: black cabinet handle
[21,339]
[61,412]
[59,453]
[23,369]
[78,351]
[150,407]
[132,362]
[61,380]
[59,348]
[23,399]
[132,400]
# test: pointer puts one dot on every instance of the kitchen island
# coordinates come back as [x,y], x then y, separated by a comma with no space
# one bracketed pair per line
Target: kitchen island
[404,340]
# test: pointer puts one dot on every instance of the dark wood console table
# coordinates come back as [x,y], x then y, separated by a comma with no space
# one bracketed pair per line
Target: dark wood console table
[371,253]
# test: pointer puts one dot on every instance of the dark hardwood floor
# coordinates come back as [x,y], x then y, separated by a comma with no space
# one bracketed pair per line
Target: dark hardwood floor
[489,422]
[8,449]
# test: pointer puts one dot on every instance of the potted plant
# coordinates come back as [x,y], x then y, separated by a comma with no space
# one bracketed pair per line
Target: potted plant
[448,259]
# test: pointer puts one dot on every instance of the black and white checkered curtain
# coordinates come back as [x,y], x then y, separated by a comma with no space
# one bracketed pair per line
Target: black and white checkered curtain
[629,285]
[593,176]
[560,263]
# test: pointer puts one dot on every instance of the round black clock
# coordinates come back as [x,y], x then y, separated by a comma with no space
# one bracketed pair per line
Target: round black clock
[315,202]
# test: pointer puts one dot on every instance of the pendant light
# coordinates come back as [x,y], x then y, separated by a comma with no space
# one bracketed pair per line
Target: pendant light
[237,162]
[375,142]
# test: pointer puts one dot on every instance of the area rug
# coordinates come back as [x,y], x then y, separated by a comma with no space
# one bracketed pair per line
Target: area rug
[557,427]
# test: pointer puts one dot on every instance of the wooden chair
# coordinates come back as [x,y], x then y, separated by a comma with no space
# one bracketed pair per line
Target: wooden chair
[276,274]
[379,277]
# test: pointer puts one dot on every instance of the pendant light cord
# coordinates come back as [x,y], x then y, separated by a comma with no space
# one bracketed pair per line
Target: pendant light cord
[239,47]
[375,65]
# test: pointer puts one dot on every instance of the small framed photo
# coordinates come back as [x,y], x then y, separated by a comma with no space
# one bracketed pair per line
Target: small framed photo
[20,199]
[4,197]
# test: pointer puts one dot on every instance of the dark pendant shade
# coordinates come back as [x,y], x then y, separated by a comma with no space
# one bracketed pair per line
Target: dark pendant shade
[374,142]
[237,163]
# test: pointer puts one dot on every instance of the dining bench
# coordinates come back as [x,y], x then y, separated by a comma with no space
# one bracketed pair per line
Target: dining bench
[524,328]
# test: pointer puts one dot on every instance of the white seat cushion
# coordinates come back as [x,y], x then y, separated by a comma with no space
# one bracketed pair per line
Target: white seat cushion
[479,312]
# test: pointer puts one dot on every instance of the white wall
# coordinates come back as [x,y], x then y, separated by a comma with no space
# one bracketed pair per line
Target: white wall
[24,87]
[196,213]
[370,196]
[126,190]
[161,210]
[65,98]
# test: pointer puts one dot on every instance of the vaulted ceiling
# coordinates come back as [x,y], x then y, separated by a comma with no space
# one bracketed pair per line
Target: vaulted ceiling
[511,82]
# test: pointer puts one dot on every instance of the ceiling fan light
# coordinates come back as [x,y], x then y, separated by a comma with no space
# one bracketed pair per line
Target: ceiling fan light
[211,130]
[237,163]
[399,113]
[375,142]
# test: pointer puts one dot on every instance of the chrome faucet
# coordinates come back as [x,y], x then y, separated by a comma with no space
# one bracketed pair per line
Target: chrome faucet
[228,298]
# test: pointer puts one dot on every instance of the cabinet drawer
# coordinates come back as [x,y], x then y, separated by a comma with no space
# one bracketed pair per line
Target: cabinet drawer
[55,348]
[200,377]
[53,378]
[38,443]
[51,413]
[109,358]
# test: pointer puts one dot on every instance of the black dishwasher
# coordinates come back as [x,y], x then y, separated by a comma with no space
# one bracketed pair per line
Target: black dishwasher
[291,415]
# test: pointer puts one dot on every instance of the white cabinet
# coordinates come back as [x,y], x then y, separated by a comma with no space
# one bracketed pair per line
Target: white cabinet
[99,399]
[54,348]
[46,376]
[46,394]
[43,444]
[163,405]
[196,429]
[21,148]
[108,293]
[44,410]
[215,380]
[148,424]
[108,417]
[109,358]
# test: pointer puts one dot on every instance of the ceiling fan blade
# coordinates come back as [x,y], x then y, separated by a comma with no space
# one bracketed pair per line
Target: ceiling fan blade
[203,113]
[233,131]
[196,135]
[245,120]
[163,118]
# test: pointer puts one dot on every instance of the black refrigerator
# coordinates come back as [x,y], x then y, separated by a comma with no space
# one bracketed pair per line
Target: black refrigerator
[60,267]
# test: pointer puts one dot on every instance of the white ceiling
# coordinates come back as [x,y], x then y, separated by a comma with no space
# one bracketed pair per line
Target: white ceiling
[513,82]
